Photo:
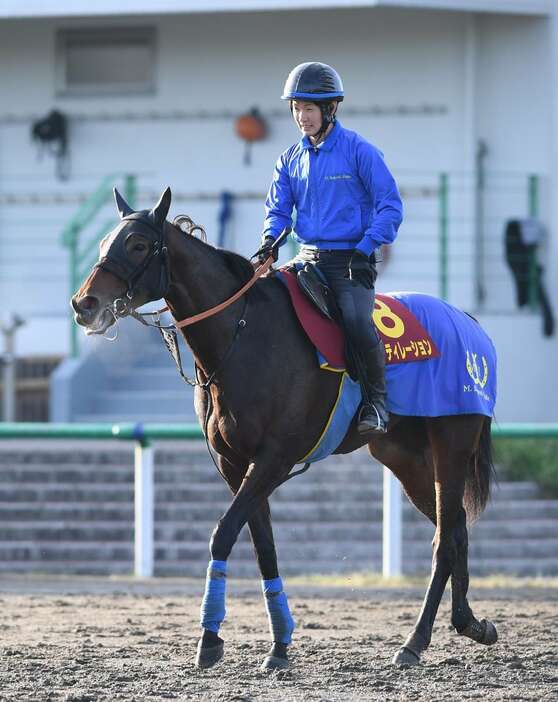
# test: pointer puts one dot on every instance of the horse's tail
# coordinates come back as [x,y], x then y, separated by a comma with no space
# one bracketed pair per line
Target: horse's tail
[480,476]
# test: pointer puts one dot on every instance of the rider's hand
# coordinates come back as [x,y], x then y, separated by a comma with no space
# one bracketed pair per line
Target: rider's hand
[361,271]
[266,250]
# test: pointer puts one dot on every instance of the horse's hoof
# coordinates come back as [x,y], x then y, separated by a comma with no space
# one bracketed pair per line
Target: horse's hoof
[405,657]
[272,663]
[490,634]
[210,655]
[483,632]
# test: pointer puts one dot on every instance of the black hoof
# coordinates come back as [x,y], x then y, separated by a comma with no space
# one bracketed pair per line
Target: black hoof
[405,657]
[483,632]
[207,657]
[490,634]
[272,663]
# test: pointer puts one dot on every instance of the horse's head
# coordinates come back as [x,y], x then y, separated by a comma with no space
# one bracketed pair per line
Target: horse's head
[132,268]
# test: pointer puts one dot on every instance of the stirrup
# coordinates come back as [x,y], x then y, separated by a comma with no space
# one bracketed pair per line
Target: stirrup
[370,420]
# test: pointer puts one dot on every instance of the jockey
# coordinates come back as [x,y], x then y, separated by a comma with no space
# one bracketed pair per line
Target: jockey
[347,206]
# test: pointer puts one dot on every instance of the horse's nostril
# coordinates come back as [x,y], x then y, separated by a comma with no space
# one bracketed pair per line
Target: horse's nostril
[86,306]
[89,303]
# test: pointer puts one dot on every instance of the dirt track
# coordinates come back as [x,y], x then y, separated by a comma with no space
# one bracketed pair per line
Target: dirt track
[87,641]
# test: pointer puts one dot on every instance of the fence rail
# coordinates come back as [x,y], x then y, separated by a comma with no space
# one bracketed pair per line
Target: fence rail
[144,494]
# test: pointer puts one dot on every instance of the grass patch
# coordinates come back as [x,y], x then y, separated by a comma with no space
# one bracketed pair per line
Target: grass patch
[529,459]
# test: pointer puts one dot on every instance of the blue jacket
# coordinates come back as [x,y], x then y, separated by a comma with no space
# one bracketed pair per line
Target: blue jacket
[344,194]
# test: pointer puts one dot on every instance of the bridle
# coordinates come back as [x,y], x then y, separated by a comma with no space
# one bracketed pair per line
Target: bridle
[119,266]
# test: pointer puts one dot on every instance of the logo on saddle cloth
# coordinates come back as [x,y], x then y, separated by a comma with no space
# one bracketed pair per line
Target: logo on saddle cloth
[474,370]
[404,337]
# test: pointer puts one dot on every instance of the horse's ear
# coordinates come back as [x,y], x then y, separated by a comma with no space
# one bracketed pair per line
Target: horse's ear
[122,206]
[161,209]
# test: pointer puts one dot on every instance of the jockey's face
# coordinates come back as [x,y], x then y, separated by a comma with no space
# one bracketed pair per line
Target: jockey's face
[308,117]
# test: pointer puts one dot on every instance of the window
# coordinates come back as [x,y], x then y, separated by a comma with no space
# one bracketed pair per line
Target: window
[104,61]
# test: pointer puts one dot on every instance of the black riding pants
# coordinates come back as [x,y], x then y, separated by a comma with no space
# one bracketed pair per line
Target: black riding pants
[355,301]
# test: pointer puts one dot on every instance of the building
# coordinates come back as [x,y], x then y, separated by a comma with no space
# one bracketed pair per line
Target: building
[460,95]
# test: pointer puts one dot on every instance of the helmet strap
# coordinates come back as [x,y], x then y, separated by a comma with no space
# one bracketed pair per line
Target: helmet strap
[328,117]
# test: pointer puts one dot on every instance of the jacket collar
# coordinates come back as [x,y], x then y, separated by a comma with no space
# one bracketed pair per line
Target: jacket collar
[329,141]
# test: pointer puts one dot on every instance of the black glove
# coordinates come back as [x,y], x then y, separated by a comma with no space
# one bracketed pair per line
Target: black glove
[266,250]
[361,271]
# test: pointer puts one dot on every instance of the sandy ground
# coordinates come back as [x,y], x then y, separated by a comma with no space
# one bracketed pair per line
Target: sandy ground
[84,640]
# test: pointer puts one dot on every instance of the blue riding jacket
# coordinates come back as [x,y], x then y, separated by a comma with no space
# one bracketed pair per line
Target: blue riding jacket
[344,194]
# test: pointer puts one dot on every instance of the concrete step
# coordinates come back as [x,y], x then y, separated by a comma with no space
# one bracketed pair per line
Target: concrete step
[153,378]
[185,415]
[156,401]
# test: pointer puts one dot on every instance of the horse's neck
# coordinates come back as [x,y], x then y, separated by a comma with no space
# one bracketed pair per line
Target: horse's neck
[200,279]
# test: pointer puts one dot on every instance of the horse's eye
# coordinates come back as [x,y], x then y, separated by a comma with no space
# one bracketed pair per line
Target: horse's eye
[140,248]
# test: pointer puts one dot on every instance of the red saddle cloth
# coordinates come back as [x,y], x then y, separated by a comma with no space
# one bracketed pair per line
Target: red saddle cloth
[405,339]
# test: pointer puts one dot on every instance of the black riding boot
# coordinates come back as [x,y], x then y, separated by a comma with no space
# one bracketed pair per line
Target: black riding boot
[374,416]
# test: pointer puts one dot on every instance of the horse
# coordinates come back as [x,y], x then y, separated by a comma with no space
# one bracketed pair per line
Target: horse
[262,400]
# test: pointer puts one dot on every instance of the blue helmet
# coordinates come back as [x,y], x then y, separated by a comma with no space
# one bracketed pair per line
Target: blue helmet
[313,81]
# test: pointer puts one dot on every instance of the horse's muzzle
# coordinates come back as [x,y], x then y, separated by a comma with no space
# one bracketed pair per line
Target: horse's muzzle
[86,309]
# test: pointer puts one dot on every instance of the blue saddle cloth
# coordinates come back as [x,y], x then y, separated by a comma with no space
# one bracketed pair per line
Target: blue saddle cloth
[462,380]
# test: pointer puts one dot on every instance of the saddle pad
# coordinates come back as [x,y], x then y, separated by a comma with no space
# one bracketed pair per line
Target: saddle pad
[405,339]
[459,372]
[345,407]
[326,335]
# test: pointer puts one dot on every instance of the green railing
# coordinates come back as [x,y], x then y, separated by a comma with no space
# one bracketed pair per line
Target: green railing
[533,189]
[145,433]
[444,190]
[83,248]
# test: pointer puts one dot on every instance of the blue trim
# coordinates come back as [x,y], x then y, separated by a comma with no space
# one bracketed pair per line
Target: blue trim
[312,96]
[281,623]
[212,612]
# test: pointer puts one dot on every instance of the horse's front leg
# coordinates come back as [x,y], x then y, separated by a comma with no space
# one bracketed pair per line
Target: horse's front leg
[250,497]
[281,623]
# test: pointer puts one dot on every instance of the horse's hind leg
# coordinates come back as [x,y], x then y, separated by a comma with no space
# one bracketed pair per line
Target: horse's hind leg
[462,617]
[406,451]
[453,441]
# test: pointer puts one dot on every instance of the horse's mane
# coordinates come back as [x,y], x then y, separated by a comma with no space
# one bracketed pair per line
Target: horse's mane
[239,266]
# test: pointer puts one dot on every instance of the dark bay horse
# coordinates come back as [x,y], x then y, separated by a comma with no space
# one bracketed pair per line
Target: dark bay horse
[268,402]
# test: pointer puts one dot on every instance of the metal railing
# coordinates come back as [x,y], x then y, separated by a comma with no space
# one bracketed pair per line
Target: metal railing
[144,494]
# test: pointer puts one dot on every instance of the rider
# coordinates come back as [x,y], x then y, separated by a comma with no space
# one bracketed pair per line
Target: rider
[347,206]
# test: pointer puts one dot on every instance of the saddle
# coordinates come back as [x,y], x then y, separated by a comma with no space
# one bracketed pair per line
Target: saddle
[313,284]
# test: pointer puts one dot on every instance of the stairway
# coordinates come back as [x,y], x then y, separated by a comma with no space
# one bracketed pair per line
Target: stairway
[67,507]
[133,379]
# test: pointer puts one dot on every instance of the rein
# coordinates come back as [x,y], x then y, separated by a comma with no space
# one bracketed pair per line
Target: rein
[187,321]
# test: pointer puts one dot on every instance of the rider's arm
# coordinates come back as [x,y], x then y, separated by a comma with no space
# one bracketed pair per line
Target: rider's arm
[387,212]
[279,202]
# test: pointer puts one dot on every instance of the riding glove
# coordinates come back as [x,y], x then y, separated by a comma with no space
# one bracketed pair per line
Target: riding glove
[361,271]
[266,250]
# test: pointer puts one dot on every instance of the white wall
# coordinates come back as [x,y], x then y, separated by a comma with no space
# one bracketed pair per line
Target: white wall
[484,77]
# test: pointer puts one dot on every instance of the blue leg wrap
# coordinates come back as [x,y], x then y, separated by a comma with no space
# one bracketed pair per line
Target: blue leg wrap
[213,604]
[281,623]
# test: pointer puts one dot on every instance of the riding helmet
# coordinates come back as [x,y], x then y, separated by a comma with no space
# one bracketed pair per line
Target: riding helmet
[313,81]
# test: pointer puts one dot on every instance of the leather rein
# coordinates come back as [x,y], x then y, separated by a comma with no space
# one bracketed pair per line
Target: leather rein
[187,321]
